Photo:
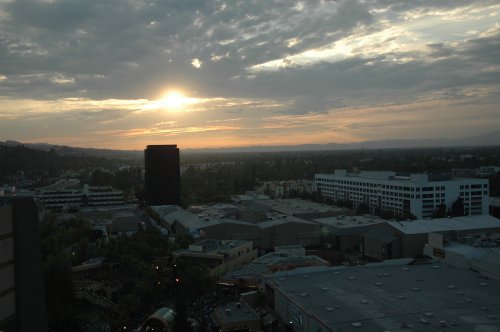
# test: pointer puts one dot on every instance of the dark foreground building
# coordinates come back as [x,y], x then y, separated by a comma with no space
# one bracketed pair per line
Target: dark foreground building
[22,296]
[162,179]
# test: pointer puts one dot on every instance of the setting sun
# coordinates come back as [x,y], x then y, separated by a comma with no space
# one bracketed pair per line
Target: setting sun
[175,100]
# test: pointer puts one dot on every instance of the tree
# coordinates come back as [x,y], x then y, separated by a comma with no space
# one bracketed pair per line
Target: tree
[440,212]
[457,208]
[261,300]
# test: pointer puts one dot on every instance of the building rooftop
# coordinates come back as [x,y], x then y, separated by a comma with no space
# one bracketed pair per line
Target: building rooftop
[393,176]
[235,312]
[466,250]
[446,224]
[394,296]
[174,213]
[350,221]
[241,198]
[293,206]
[62,185]
[273,262]
[210,245]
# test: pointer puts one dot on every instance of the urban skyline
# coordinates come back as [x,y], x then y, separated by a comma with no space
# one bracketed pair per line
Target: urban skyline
[210,74]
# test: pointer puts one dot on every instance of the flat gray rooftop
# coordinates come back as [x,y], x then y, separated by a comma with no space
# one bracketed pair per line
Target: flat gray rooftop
[235,312]
[266,263]
[385,297]
[447,224]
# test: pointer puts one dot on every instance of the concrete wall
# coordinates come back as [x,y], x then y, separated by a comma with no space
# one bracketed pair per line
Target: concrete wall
[301,320]
[290,233]
[233,231]
[268,237]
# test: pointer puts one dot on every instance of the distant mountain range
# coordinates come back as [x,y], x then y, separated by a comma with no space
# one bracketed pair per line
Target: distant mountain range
[488,139]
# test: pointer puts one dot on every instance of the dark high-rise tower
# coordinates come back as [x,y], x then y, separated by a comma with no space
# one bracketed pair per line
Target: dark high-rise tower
[22,293]
[162,179]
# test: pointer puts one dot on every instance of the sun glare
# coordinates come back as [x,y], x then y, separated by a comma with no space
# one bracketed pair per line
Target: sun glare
[174,99]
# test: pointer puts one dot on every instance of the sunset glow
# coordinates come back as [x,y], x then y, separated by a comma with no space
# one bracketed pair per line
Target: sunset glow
[174,99]
[220,75]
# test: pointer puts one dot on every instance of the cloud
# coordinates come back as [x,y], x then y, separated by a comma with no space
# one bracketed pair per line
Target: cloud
[104,61]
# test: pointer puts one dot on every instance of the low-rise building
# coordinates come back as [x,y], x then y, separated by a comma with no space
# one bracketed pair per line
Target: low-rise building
[284,189]
[486,171]
[235,222]
[389,296]
[252,274]
[345,233]
[398,239]
[464,250]
[219,256]
[236,316]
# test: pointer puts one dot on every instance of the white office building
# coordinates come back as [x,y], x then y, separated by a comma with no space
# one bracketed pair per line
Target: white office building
[420,195]
[75,196]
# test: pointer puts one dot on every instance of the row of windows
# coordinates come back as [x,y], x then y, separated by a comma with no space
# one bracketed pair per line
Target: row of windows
[473,193]
[394,187]
[473,186]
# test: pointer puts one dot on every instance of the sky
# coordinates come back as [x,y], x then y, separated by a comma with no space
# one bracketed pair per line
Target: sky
[122,74]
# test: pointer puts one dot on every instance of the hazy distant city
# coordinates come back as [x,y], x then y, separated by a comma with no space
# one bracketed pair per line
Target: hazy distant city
[249,166]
